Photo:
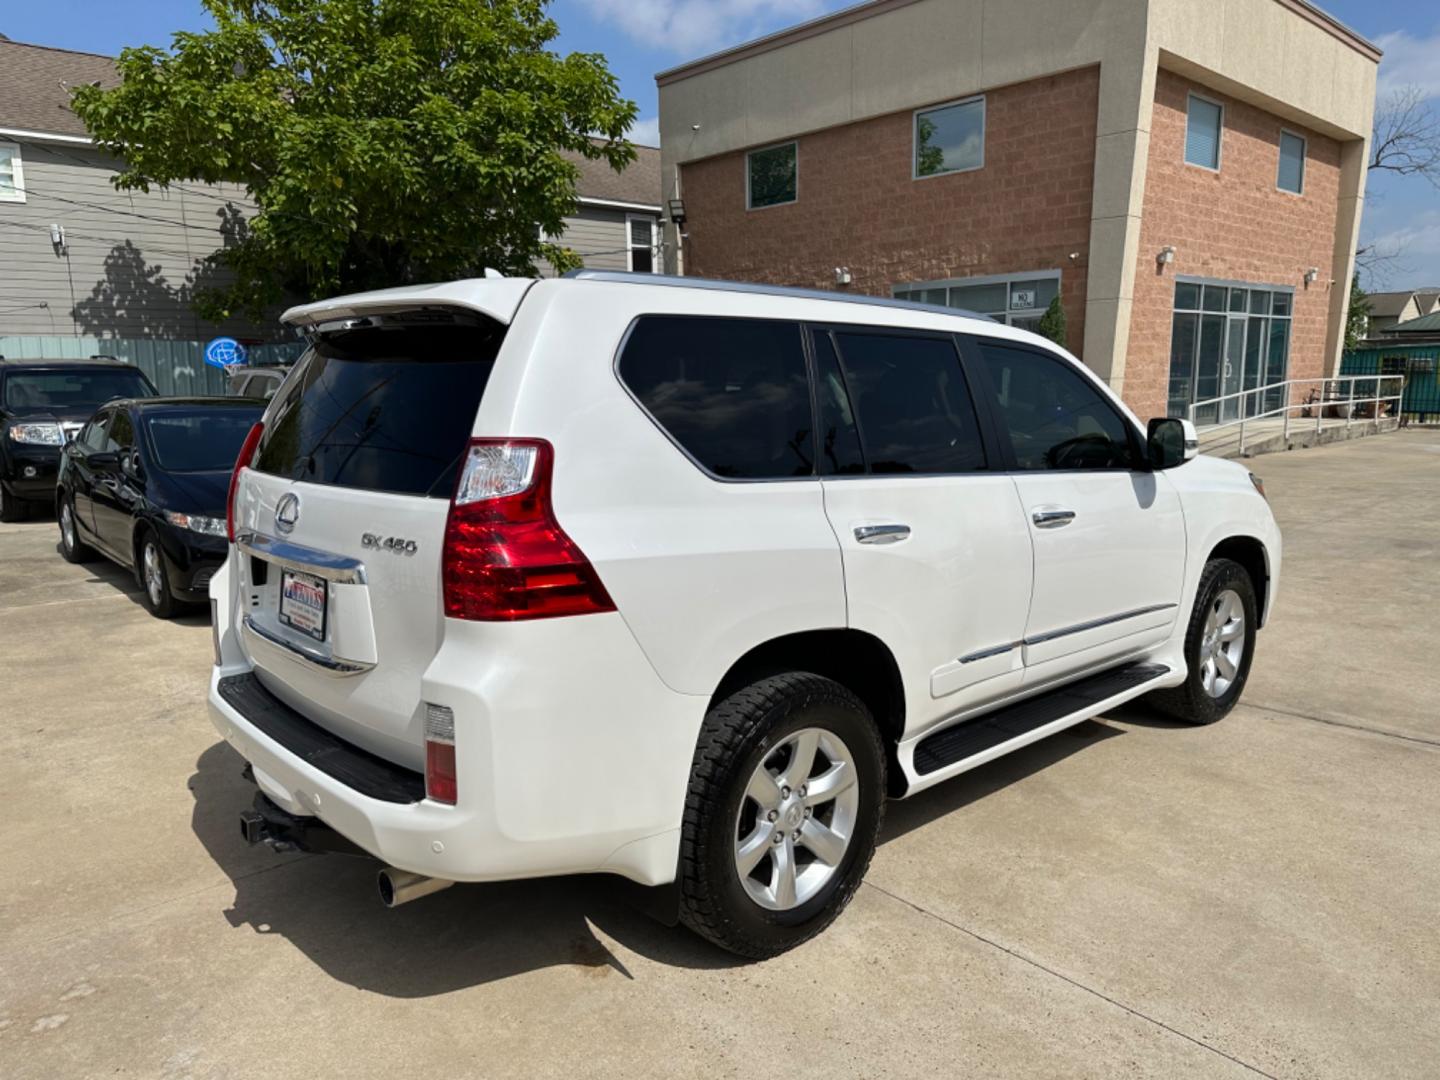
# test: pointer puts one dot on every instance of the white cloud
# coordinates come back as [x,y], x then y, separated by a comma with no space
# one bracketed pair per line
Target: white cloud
[645,131]
[1418,237]
[1410,61]
[693,28]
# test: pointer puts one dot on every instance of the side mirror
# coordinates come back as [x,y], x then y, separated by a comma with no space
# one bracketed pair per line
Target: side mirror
[1170,442]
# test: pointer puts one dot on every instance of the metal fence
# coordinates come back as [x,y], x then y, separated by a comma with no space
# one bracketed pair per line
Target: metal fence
[175,367]
[1420,364]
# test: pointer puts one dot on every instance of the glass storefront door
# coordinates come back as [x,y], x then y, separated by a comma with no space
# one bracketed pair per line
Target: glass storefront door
[1227,338]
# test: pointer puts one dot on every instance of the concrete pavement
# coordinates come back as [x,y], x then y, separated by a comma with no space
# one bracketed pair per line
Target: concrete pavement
[1129,898]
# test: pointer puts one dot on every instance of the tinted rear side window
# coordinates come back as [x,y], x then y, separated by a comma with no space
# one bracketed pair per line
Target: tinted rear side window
[386,408]
[915,411]
[732,392]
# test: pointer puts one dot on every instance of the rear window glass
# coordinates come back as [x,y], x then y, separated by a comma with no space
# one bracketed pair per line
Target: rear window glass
[732,392]
[385,408]
[207,441]
[915,410]
[68,390]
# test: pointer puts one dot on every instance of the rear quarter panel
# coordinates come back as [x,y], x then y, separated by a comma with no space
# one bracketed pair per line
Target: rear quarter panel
[702,570]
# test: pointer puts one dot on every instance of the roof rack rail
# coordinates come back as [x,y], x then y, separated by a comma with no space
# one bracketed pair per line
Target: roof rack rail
[633,277]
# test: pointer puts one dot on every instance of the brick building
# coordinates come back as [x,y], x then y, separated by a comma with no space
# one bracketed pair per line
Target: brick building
[1185,174]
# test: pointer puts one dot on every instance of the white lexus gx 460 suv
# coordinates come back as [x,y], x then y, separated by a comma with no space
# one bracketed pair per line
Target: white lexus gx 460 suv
[680,580]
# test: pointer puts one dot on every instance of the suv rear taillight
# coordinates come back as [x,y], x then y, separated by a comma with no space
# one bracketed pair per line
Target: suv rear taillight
[506,557]
[246,455]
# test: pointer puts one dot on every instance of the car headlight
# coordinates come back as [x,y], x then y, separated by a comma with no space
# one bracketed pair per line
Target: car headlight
[41,433]
[206,526]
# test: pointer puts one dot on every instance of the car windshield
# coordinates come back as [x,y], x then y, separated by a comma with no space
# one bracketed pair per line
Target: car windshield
[27,391]
[206,440]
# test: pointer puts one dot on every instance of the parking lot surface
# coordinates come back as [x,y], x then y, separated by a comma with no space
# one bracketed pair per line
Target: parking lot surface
[1129,898]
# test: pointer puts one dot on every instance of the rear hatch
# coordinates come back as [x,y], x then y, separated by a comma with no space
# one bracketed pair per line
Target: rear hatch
[340,520]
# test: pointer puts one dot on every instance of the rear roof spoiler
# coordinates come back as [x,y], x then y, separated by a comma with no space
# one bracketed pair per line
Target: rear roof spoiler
[495,297]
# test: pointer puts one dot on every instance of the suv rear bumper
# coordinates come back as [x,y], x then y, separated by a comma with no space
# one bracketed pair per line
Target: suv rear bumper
[572,756]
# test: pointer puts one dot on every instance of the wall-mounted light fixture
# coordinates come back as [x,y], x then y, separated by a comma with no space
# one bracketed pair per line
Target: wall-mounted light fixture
[1311,275]
[677,211]
[1166,256]
[842,275]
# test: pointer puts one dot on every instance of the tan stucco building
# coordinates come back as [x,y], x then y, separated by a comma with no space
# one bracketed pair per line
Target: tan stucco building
[1186,175]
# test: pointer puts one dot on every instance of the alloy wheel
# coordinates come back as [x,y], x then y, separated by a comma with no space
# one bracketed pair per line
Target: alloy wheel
[796,819]
[154,581]
[1222,646]
[67,527]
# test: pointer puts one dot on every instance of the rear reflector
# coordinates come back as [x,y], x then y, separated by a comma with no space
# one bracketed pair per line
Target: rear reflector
[506,557]
[246,455]
[440,784]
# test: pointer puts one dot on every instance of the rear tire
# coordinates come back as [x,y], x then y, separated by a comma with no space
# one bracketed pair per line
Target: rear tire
[1219,645]
[154,578]
[774,845]
[11,508]
[72,548]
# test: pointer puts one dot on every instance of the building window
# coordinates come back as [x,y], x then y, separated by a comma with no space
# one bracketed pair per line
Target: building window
[641,244]
[1203,124]
[1291,176]
[1226,339]
[12,179]
[772,176]
[1017,299]
[950,138]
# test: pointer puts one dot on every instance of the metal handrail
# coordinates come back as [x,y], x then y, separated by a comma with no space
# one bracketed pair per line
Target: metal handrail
[1319,403]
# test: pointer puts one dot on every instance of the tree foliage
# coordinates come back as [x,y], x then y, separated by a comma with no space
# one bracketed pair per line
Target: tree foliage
[1357,316]
[1406,139]
[383,141]
[1052,323]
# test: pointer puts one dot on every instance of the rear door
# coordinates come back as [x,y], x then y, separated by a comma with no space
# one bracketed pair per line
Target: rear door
[936,552]
[113,492]
[1108,534]
[341,521]
[82,477]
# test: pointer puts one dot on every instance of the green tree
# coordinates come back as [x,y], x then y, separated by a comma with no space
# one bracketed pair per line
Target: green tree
[1357,318]
[1052,323]
[931,158]
[383,141]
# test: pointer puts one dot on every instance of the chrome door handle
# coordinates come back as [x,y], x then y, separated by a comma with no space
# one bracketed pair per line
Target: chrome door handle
[1052,518]
[881,534]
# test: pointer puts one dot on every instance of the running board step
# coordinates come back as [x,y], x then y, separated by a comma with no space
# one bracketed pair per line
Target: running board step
[983,733]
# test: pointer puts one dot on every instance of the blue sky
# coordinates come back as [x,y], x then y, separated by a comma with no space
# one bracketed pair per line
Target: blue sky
[641,37]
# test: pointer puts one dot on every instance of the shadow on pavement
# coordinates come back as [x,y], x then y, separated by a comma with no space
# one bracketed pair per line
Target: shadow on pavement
[471,934]
[327,907]
[103,571]
[954,795]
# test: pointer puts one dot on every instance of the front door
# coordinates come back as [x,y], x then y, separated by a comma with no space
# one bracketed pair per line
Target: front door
[1232,370]
[1108,534]
[935,548]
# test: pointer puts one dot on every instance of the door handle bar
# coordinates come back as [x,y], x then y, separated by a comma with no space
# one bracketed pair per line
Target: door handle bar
[1052,519]
[881,534]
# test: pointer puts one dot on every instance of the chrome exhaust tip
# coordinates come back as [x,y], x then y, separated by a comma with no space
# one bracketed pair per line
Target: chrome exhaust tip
[401,886]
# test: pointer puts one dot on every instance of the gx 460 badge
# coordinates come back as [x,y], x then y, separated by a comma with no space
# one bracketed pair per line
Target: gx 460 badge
[395,544]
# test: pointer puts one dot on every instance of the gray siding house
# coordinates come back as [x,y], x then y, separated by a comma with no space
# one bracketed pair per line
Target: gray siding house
[85,268]
[618,224]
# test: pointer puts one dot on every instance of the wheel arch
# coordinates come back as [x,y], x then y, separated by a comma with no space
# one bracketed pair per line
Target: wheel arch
[860,662]
[1251,554]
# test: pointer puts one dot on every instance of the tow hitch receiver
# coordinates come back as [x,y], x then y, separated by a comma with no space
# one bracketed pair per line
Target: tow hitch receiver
[268,824]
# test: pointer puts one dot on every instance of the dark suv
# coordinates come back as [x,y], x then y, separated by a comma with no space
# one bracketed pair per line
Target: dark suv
[43,403]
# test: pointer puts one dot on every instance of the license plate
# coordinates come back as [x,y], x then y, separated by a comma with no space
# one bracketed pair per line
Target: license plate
[302,603]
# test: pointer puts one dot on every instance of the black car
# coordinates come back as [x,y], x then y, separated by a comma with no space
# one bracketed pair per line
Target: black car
[145,483]
[42,403]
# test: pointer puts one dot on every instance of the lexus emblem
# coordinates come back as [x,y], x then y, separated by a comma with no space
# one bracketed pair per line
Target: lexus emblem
[287,512]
